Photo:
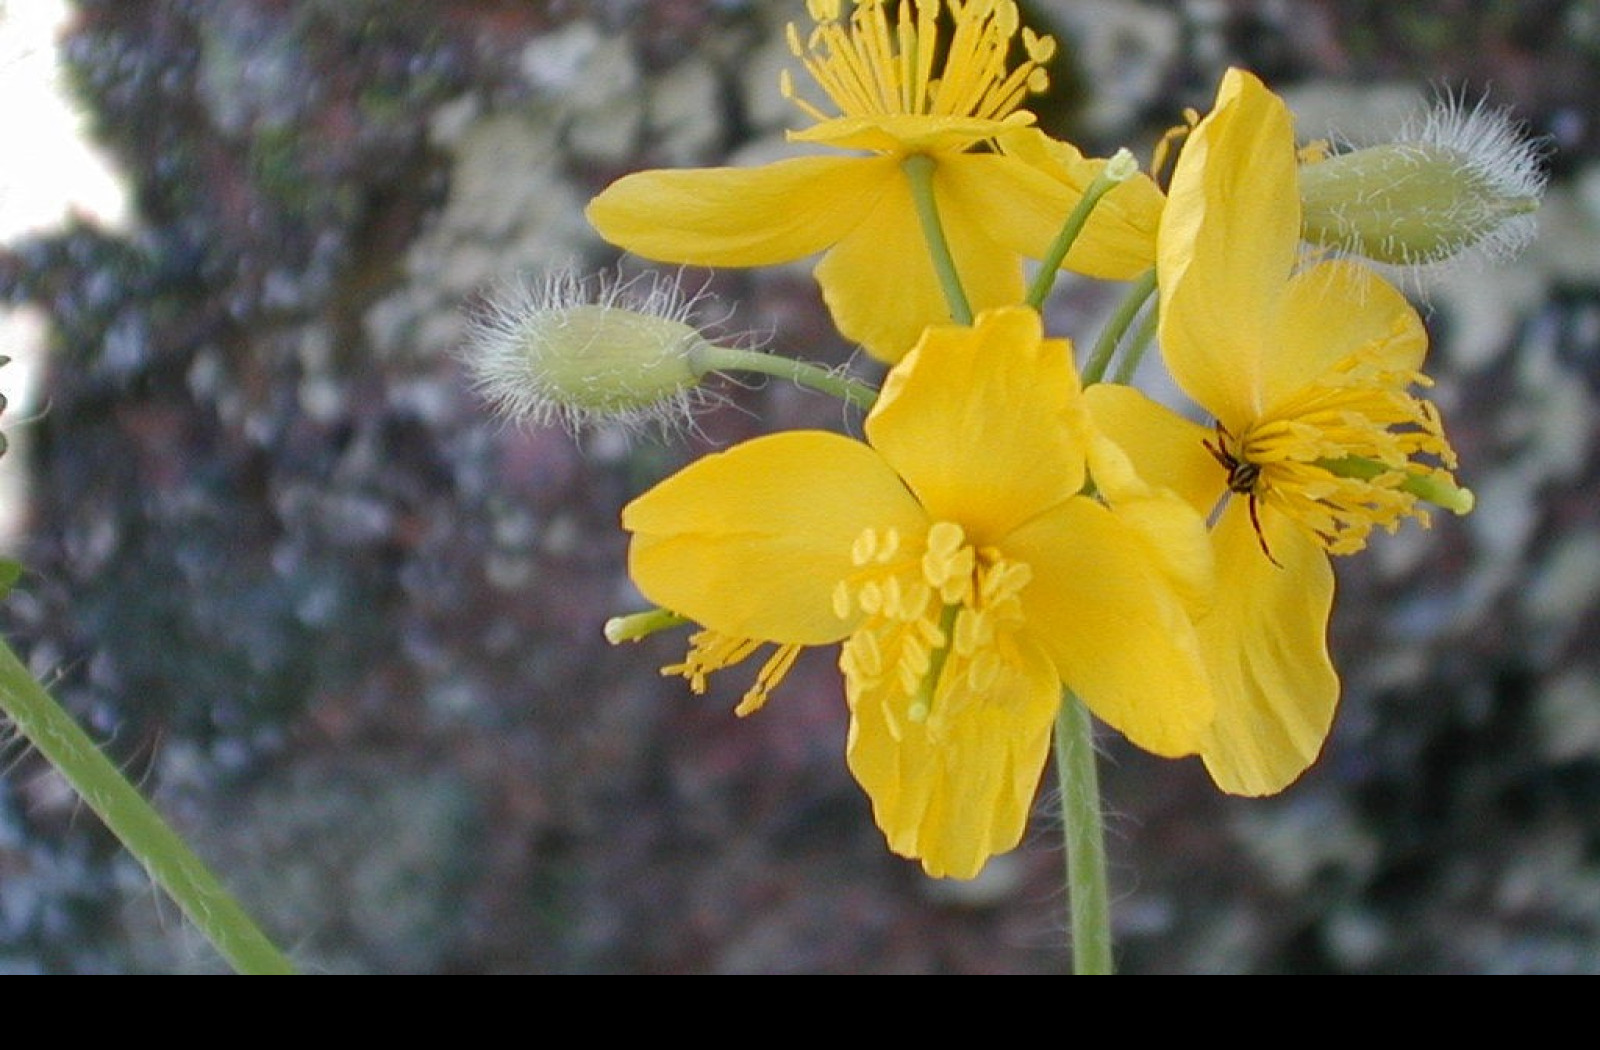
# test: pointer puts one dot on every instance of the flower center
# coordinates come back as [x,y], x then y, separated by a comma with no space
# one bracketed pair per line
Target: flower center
[1352,451]
[937,624]
[874,67]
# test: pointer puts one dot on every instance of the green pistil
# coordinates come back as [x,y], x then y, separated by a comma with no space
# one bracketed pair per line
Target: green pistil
[634,626]
[1437,489]
[1119,169]
[922,702]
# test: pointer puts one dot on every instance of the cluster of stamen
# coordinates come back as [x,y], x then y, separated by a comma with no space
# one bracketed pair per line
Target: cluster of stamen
[711,651]
[935,623]
[1348,453]
[873,66]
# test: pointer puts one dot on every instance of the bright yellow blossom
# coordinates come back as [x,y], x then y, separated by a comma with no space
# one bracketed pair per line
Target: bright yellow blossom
[958,559]
[877,68]
[1306,368]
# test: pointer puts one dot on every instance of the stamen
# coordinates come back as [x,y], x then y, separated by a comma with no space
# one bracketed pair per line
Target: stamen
[1350,453]
[772,672]
[934,626]
[870,68]
[711,651]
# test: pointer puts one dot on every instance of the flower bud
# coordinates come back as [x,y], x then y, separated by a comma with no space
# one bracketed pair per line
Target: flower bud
[577,352]
[1460,180]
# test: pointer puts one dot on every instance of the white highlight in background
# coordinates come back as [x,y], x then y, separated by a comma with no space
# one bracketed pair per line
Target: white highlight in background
[50,172]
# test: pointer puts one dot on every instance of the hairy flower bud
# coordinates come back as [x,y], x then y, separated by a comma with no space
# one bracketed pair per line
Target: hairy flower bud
[1459,180]
[576,352]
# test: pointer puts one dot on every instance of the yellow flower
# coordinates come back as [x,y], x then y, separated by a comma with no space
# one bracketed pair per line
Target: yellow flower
[968,576]
[893,104]
[1317,440]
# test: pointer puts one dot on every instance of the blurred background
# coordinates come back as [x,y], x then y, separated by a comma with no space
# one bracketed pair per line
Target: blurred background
[345,628]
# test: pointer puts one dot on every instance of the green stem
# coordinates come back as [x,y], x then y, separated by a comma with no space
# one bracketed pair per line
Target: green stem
[1117,326]
[1116,171]
[709,357]
[1136,349]
[919,170]
[1087,896]
[141,829]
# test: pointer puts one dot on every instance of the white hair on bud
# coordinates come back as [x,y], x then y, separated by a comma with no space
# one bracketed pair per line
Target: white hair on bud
[1498,149]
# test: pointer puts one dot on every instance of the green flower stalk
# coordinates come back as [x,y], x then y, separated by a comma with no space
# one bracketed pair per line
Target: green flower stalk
[165,856]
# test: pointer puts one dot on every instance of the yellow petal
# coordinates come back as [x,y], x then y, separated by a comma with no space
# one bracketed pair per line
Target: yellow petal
[750,542]
[974,421]
[1119,241]
[741,216]
[1228,239]
[880,284]
[1332,311]
[1119,635]
[1173,532]
[1265,643]
[1167,450]
[958,798]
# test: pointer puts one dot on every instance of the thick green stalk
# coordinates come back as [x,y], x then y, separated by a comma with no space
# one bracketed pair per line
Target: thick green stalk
[144,833]
[1087,896]
[919,170]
